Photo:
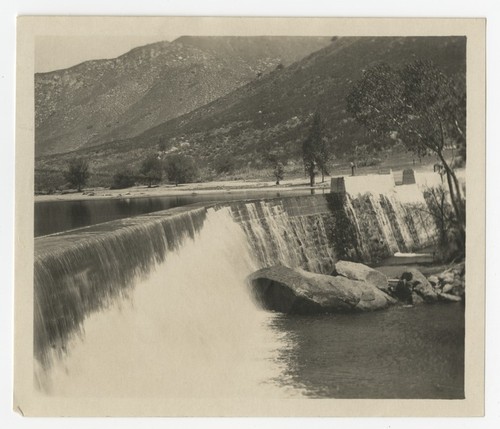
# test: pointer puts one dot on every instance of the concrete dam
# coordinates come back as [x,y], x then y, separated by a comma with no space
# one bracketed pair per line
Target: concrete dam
[163,295]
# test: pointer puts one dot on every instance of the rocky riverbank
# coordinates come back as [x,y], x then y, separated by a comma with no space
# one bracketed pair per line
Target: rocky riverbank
[352,287]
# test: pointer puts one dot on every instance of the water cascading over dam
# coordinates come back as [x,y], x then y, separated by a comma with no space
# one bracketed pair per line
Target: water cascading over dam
[157,304]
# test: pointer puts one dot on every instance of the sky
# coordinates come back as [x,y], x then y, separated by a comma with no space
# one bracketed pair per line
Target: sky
[56,52]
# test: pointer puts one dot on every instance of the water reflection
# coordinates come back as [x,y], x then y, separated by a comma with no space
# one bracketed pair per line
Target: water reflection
[399,353]
[80,214]
[56,216]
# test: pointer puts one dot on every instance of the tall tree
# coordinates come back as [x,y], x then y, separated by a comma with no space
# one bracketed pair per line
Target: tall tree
[311,147]
[78,172]
[323,156]
[424,107]
[151,169]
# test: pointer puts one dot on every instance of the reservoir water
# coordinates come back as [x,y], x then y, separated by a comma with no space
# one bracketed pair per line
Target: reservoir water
[57,216]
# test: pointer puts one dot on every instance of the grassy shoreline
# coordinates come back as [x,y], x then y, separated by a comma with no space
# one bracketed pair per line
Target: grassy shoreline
[248,179]
[188,189]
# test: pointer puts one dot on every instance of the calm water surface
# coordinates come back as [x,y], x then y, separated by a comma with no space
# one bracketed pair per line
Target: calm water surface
[57,216]
[415,352]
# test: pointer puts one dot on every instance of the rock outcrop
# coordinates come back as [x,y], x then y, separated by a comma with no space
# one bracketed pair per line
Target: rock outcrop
[353,287]
[293,290]
[449,297]
[450,284]
[413,287]
[419,284]
[357,271]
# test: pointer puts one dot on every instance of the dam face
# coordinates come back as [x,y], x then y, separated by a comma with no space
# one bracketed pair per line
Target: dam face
[158,303]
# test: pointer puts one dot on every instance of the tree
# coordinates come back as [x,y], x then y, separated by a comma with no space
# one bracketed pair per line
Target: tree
[364,155]
[450,244]
[123,179]
[180,168]
[279,171]
[78,172]
[323,157]
[311,147]
[151,170]
[425,108]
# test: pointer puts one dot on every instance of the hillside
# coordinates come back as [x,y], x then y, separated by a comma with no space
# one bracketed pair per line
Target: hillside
[103,100]
[273,112]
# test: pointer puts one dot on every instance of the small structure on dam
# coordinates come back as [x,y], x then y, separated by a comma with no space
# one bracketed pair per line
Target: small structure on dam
[381,182]
[374,183]
[409,176]
[337,185]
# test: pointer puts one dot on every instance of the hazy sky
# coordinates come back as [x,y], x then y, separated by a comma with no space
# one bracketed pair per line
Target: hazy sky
[55,52]
[64,42]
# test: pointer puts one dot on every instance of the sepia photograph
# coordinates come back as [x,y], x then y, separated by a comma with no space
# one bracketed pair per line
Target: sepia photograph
[228,216]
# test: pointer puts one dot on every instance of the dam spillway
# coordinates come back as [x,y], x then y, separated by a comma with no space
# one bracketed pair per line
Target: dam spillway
[176,278]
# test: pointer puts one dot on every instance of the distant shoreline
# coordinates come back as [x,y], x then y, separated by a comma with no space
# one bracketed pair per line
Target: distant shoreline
[188,189]
[204,188]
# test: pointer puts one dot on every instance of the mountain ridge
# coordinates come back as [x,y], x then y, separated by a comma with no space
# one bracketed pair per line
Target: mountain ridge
[272,113]
[100,100]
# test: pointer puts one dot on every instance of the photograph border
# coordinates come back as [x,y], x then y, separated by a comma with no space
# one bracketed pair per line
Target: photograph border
[35,404]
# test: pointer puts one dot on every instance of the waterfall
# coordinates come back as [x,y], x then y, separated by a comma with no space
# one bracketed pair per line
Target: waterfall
[157,304]
[385,224]
[77,273]
[282,231]
[313,232]
[188,328]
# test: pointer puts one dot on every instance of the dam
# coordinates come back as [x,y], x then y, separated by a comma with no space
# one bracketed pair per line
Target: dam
[157,304]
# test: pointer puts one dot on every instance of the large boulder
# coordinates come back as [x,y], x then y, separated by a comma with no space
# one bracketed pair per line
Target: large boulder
[372,298]
[293,290]
[356,271]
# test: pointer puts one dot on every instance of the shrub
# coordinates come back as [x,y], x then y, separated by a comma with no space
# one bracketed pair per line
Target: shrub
[48,181]
[77,173]
[180,169]
[151,170]
[224,164]
[123,179]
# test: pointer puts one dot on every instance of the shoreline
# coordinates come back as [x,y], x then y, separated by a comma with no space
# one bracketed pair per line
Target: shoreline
[184,190]
[213,187]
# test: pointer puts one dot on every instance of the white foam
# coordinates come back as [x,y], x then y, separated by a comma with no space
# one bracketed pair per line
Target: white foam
[188,330]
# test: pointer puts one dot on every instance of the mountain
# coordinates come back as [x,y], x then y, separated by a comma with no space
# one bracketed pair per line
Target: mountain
[273,112]
[103,100]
